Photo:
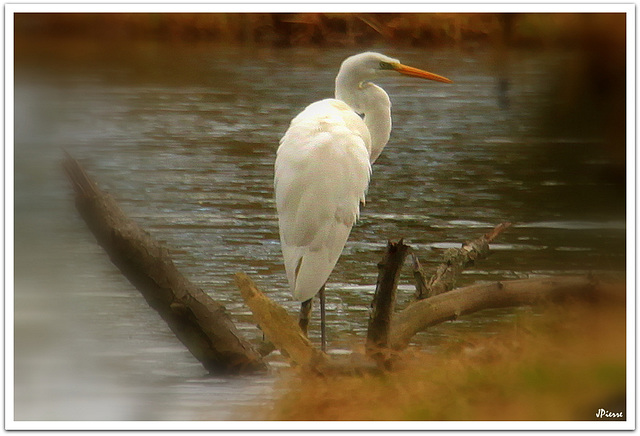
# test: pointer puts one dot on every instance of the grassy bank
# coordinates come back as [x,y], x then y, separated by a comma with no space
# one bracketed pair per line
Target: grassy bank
[563,365]
[356,29]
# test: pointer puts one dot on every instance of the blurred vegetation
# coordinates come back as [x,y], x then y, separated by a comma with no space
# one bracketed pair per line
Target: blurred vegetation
[288,29]
[564,365]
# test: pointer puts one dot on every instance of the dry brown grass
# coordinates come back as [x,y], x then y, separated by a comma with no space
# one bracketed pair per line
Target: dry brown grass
[563,365]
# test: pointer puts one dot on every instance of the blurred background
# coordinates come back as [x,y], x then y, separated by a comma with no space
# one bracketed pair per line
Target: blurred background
[179,117]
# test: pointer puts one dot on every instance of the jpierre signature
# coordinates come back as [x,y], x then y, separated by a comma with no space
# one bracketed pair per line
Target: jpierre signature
[601,413]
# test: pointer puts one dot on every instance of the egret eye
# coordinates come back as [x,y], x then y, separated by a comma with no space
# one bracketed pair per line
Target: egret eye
[385,66]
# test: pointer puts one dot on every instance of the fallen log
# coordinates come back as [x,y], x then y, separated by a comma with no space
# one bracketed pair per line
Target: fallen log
[200,323]
[428,312]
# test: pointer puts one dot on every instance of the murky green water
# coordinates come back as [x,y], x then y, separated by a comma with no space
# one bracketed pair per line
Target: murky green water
[185,137]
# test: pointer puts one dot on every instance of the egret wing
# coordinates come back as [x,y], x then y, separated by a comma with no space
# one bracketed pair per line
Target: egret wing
[321,176]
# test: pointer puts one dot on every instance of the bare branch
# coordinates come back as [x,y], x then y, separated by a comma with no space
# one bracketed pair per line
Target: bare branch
[431,311]
[279,328]
[422,290]
[456,259]
[383,303]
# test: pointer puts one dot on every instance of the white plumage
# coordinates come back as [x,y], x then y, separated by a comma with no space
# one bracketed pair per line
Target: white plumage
[321,175]
[323,166]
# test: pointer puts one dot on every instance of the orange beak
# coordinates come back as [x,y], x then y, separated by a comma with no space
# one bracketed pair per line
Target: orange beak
[415,72]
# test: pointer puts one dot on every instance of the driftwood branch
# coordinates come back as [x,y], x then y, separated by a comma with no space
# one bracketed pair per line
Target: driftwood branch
[422,314]
[285,334]
[456,259]
[278,326]
[382,306]
[383,303]
[201,323]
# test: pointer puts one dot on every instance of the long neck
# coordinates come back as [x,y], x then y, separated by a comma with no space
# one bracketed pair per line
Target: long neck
[373,103]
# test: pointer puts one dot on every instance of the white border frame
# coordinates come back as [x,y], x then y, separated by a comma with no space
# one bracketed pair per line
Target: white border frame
[409,7]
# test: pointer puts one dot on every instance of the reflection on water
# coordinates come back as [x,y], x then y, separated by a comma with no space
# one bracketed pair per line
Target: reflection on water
[185,139]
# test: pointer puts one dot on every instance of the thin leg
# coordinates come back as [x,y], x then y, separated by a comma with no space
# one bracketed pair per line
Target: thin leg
[305,315]
[323,323]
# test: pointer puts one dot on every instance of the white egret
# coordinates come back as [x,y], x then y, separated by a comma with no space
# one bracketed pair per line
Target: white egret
[322,172]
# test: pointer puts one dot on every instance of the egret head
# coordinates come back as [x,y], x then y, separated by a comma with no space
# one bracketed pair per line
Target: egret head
[369,65]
